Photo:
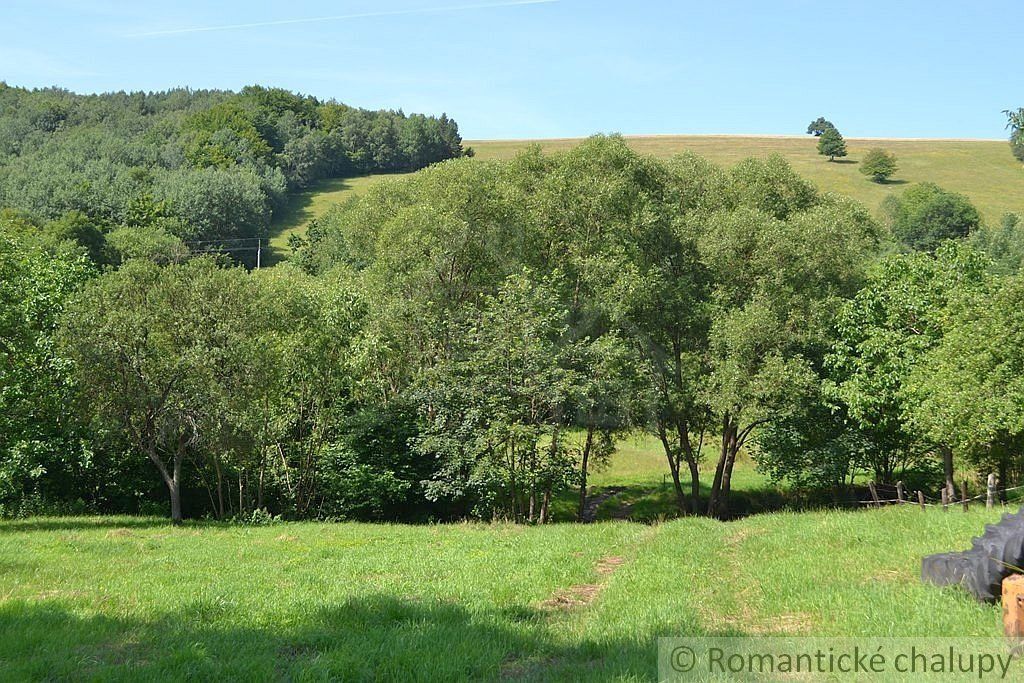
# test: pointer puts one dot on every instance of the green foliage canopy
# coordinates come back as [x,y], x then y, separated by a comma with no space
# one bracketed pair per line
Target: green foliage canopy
[925,215]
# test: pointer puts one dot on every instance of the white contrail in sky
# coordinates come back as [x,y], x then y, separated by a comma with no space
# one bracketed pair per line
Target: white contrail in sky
[342,17]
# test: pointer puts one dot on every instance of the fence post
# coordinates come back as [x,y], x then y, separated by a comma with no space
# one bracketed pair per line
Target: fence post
[900,493]
[990,494]
[874,494]
[920,499]
[963,494]
[945,499]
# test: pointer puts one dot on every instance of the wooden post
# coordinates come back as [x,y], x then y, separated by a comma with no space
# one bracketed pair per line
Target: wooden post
[963,494]
[874,494]
[1013,606]
[945,499]
[990,493]
[900,493]
[920,499]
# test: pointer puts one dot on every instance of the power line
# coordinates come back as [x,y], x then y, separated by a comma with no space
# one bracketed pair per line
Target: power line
[220,247]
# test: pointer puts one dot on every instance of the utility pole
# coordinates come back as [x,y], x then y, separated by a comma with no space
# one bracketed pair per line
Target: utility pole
[259,252]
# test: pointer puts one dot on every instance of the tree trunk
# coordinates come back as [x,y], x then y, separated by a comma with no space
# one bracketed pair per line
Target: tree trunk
[546,505]
[259,490]
[692,462]
[723,471]
[584,460]
[694,486]
[173,481]
[673,466]
[1002,483]
[220,488]
[947,468]
[174,485]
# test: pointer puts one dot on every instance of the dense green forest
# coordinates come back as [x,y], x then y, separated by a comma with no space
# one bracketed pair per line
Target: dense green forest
[470,340]
[128,174]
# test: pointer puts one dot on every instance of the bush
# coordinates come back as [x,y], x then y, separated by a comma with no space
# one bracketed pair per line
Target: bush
[926,215]
[371,473]
[878,164]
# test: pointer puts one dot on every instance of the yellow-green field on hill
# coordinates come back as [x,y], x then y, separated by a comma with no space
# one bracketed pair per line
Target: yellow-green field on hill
[984,170]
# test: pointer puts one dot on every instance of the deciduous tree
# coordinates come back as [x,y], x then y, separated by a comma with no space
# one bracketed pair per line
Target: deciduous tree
[831,144]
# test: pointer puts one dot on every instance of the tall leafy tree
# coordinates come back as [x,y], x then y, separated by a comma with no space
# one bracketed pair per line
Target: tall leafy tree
[662,306]
[967,389]
[778,285]
[497,409]
[160,353]
[41,452]
[818,126]
[831,144]
[883,335]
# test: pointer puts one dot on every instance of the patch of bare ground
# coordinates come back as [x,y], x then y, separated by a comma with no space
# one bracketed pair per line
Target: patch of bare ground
[748,623]
[608,565]
[583,594]
[596,501]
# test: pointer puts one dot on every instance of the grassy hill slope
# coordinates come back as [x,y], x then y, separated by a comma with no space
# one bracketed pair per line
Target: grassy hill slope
[304,206]
[985,171]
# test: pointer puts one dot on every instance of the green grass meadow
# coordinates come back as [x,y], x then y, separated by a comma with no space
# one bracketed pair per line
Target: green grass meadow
[123,598]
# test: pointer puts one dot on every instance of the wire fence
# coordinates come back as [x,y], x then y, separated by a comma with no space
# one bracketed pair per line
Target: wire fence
[992,496]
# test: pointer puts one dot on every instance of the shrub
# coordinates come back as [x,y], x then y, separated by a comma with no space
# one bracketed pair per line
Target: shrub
[878,164]
[926,215]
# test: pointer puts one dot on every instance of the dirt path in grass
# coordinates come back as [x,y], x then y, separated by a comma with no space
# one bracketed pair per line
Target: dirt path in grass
[624,511]
[736,603]
[583,594]
[594,502]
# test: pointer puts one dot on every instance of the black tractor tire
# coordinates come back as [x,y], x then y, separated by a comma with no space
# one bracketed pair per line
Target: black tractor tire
[981,570]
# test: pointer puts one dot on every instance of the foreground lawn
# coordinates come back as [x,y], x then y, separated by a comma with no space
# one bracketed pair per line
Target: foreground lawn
[133,598]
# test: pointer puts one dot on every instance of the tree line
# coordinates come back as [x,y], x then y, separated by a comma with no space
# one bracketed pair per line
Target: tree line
[155,170]
[472,340]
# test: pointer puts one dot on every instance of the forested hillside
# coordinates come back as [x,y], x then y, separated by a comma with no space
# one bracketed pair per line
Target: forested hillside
[135,173]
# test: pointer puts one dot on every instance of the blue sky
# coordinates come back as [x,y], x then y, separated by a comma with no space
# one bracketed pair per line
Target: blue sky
[944,68]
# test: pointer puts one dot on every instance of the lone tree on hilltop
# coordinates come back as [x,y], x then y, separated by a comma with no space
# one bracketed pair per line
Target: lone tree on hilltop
[878,164]
[819,126]
[832,144]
